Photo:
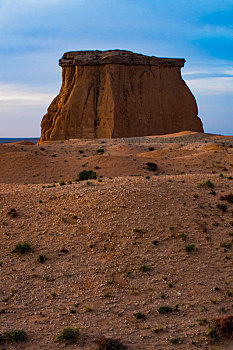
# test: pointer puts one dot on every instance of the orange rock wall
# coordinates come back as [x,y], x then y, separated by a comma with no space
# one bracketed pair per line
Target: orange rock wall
[120,100]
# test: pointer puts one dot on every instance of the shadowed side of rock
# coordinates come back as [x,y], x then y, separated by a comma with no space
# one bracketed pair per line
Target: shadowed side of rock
[119,94]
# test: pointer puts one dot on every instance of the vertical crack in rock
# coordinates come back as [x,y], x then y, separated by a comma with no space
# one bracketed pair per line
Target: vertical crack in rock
[96,121]
[119,93]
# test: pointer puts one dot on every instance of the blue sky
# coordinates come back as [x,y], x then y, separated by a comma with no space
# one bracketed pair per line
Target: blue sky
[35,33]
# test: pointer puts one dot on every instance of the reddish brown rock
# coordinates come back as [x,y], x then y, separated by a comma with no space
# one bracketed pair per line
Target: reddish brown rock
[119,94]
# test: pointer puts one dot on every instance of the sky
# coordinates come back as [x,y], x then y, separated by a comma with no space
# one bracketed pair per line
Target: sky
[34,34]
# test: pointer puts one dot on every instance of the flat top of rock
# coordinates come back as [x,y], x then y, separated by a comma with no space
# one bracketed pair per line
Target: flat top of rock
[90,58]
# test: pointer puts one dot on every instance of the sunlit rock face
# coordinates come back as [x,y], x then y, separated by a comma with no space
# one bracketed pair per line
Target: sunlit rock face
[107,94]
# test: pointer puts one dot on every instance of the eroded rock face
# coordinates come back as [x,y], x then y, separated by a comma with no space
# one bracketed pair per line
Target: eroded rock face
[119,94]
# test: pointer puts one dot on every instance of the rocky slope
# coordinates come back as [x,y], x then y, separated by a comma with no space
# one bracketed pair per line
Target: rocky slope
[107,254]
[119,94]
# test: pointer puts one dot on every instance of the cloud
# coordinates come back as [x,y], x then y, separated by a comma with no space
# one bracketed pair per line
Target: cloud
[212,85]
[19,95]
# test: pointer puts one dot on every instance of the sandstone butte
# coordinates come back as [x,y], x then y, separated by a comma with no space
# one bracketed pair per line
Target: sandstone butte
[115,93]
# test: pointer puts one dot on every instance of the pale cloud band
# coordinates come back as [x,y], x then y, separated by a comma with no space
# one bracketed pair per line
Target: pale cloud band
[212,85]
[11,94]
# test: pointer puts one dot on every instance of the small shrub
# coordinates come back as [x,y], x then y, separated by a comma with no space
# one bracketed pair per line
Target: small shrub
[12,213]
[64,220]
[41,259]
[183,236]
[227,197]
[144,268]
[22,248]
[158,329]
[164,309]
[222,309]
[88,309]
[175,340]
[203,321]
[110,344]
[226,245]
[162,295]
[139,230]
[62,183]
[107,295]
[207,184]
[223,207]
[151,149]
[100,151]
[68,334]
[216,224]
[189,248]
[139,316]
[16,335]
[87,175]
[152,166]
[212,335]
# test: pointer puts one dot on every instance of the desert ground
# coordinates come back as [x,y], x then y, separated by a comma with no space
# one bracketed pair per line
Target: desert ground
[118,248]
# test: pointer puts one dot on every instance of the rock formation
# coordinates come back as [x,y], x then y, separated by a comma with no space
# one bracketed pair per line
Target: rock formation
[119,94]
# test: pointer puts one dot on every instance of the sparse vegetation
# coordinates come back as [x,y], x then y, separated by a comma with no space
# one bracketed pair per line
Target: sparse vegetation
[158,329]
[223,207]
[41,259]
[62,183]
[87,175]
[227,197]
[68,334]
[12,213]
[139,316]
[110,344]
[183,236]
[164,309]
[100,150]
[207,184]
[226,245]
[22,248]
[88,308]
[16,335]
[189,248]
[203,321]
[139,230]
[175,340]
[144,268]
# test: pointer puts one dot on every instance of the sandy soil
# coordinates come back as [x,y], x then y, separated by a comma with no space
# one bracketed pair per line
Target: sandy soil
[100,235]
